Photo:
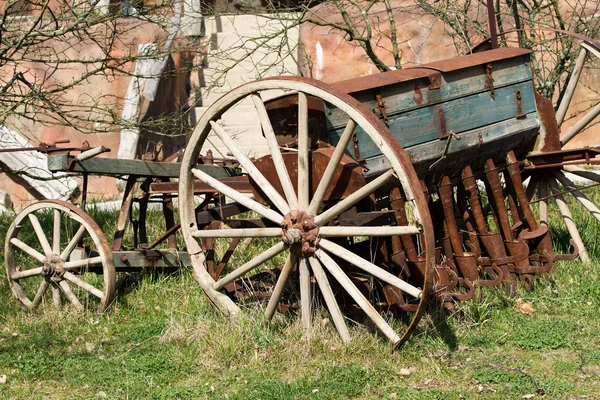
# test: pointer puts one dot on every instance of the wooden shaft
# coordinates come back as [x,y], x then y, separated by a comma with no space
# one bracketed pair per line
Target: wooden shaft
[86,262]
[249,266]
[280,168]
[41,235]
[582,198]
[27,273]
[332,166]
[305,296]
[84,285]
[250,168]
[341,231]
[289,265]
[29,250]
[237,196]
[55,295]
[573,80]
[531,186]
[568,218]
[580,125]
[233,233]
[332,304]
[123,214]
[369,267]
[591,175]
[303,158]
[70,295]
[72,243]
[354,198]
[543,203]
[353,291]
[56,233]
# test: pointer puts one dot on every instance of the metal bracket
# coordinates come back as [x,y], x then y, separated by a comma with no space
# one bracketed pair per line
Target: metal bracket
[355,143]
[381,107]
[443,134]
[450,135]
[490,80]
[519,105]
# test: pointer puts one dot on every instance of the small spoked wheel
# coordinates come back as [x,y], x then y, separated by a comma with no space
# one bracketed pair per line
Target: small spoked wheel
[55,252]
[321,219]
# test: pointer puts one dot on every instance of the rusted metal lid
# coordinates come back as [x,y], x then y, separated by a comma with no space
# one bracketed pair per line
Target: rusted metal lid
[431,71]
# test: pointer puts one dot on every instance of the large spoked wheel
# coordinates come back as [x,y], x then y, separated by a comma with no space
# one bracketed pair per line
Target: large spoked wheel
[565,165]
[55,250]
[300,223]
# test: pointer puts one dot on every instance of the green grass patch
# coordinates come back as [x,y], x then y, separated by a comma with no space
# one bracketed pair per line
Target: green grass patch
[161,339]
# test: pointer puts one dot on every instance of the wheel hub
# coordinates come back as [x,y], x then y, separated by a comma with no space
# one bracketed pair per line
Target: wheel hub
[54,269]
[299,231]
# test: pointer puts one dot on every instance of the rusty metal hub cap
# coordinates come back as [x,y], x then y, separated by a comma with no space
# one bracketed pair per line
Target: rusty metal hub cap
[54,269]
[300,233]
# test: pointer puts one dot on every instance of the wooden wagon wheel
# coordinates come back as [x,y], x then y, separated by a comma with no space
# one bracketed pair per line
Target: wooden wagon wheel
[546,183]
[298,226]
[69,259]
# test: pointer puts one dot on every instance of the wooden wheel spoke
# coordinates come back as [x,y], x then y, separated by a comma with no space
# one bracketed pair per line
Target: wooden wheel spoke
[305,296]
[353,291]
[355,197]
[27,249]
[569,222]
[239,197]
[237,233]
[303,159]
[580,125]
[40,293]
[582,198]
[250,265]
[280,168]
[251,169]
[369,267]
[27,273]
[41,235]
[531,186]
[591,175]
[56,233]
[289,265]
[332,304]
[73,243]
[55,295]
[84,285]
[543,194]
[573,80]
[332,166]
[86,262]
[341,231]
[70,295]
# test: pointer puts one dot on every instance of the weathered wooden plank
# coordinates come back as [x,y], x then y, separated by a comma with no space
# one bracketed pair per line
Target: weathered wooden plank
[473,149]
[406,96]
[120,167]
[460,115]
[137,259]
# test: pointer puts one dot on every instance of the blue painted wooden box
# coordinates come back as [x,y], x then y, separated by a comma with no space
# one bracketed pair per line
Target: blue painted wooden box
[486,99]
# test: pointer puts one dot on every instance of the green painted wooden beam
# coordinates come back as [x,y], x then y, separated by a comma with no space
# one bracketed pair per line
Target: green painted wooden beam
[118,167]
[137,259]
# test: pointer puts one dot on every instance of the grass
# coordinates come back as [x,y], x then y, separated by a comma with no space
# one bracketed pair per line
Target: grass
[162,340]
